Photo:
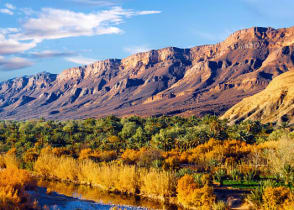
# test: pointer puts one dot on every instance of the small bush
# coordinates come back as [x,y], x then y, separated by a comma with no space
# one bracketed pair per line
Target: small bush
[107,156]
[157,164]
[250,175]
[183,171]
[235,174]
[130,156]
[220,205]
[9,160]
[61,151]
[85,154]
[220,175]
[255,197]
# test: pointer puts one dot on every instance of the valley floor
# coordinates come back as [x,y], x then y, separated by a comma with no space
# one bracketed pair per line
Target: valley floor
[188,162]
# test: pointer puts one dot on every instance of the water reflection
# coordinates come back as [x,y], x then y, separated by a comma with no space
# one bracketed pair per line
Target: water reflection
[86,197]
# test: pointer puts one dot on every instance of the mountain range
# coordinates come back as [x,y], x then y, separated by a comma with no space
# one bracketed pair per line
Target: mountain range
[207,79]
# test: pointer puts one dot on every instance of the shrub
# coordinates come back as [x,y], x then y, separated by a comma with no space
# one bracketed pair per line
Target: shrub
[111,177]
[99,156]
[172,162]
[250,174]
[185,188]
[158,183]
[269,183]
[274,197]
[85,154]
[289,203]
[255,197]
[46,165]
[235,174]
[215,152]
[277,134]
[60,151]
[88,172]
[147,156]
[190,194]
[62,168]
[30,155]
[183,171]
[130,156]
[220,205]
[220,175]
[117,178]
[107,156]
[9,160]
[67,169]
[13,183]
[157,164]
[281,160]
[143,157]
[198,179]
[2,162]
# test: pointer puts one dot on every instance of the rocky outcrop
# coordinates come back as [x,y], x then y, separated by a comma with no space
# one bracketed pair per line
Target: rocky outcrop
[204,79]
[274,104]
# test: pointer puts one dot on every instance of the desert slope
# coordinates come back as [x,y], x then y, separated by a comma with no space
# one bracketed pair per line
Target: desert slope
[274,104]
[200,80]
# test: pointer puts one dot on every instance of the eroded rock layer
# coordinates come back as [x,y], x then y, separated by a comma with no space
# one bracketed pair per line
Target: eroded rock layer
[200,80]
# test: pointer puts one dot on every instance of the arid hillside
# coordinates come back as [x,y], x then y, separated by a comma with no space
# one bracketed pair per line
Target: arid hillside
[200,80]
[274,104]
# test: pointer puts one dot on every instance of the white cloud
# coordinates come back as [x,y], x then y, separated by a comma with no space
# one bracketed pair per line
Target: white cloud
[56,23]
[81,60]
[50,54]
[6,11]
[100,3]
[136,49]
[11,46]
[5,31]
[10,6]
[151,12]
[14,63]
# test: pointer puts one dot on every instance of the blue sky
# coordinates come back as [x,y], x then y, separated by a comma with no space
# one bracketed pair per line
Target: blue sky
[52,35]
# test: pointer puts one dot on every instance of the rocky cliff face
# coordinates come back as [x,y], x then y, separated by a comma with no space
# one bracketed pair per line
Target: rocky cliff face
[274,104]
[200,80]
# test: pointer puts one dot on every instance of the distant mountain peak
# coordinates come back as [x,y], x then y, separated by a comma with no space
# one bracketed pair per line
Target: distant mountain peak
[203,79]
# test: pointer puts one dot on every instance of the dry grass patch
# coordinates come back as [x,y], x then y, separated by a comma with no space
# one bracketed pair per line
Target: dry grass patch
[158,183]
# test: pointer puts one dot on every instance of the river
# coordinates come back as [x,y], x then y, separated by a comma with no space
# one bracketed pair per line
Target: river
[64,196]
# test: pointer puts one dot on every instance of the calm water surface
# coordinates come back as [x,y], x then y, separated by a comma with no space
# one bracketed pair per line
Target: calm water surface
[61,196]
